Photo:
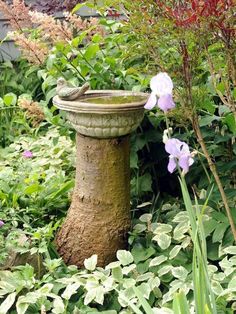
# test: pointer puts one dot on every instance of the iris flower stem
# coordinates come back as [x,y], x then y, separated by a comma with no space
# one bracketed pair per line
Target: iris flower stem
[168,126]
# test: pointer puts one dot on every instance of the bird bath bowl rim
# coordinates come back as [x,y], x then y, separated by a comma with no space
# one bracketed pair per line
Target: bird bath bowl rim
[82,104]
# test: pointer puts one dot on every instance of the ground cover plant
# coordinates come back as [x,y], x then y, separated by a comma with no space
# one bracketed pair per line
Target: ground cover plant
[159,271]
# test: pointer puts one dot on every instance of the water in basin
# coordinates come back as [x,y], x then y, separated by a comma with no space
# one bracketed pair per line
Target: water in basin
[114,100]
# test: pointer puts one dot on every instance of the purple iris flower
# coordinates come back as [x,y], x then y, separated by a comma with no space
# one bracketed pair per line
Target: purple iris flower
[161,86]
[27,154]
[1,223]
[179,155]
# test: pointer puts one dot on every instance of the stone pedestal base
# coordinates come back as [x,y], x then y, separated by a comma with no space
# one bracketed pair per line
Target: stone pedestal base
[99,218]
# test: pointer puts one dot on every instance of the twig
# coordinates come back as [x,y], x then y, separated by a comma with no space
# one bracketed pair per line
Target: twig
[214,171]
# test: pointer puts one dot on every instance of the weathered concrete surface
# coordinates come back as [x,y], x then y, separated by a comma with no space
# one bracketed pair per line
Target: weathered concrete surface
[99,217]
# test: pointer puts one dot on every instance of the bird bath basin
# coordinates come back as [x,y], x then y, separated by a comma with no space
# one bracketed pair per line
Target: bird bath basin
[105,114]
[99,216]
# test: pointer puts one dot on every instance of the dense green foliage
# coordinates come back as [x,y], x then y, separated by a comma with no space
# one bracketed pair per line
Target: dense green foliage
[35,192]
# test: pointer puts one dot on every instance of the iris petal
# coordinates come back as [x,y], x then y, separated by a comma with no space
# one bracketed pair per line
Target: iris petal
[161,84]
[173,146]
[152,100]
[165,102]
[184,162]
[172,164]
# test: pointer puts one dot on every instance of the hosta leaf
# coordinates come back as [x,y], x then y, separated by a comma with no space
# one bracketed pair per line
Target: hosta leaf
[175,251]
[157,260]
[179,272]
[58,306]
[219,232]
[181,217]
[7,303]
[145,290]
[90,296]
[145,277]
[154,282]
[99,295]
[163,228]
[70,290]
[128,269]
[125,257]
[140,228]
[21,307]
[113,265]
[145,217]
[141,253]
[164,270]
[128,283]
[163,240]
[232,283]
[230,250]
[180,230]
[216,287]
[91,262]
[117,274]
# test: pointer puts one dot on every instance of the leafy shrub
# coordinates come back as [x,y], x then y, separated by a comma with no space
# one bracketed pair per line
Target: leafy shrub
[159,265]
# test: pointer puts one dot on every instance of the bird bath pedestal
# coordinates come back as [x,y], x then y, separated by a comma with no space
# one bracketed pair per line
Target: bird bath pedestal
[99,216]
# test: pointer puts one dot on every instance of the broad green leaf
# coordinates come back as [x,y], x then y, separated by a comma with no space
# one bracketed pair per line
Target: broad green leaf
[207,120]
[10,99]
[139,228]
[162,228]
[232,283]
[145,183]
[145,277]
[90,296]
[163,240]
[99,295]
[128,269]
[58,306]
[219,232]
[181,217]
[142,254]
[117,274]
[216,287]
[230,120]
[154,282]
[32,189]
[133,159]
[21,308]
[230,250]
[7,303]
[157,260]
[180,230]
[128,283]
[164,270]
[91,262]
[175,251]
[179,272]
[145,218]
[113,265]
[125,257]
[70,290]
[91,51]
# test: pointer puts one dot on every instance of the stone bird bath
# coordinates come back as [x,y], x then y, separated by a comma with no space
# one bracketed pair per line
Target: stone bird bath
[99,216]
